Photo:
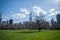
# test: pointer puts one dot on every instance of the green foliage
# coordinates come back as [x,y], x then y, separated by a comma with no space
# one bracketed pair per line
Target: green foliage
[29,35]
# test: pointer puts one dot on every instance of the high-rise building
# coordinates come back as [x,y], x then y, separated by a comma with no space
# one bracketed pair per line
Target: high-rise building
[58,21]
[3,23]
[11,21]
[30,18]
[53,24]
[11,24]
[0,17]
[58,18]
[52,21]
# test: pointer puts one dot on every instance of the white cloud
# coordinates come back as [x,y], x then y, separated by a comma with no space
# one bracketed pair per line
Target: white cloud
[38,11]
[51,14]
[21,15]
[18,16]
[57,12]
[24,10]
[52,10]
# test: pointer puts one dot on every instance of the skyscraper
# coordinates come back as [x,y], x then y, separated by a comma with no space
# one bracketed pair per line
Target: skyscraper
[53,24]
[11,21]
[0,17]
[58,21]
[30,18]
[58,18]
[52,21]
[11,24]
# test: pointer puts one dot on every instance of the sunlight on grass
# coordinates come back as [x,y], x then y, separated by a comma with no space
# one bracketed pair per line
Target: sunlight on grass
[29,35]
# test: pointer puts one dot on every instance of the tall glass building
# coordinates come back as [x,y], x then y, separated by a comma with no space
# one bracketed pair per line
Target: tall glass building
[58,18]
[0,17]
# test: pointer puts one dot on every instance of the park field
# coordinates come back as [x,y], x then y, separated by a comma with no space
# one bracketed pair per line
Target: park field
[29,35]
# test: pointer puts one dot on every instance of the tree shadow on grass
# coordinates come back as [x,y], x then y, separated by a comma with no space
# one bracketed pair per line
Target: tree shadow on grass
[27,32]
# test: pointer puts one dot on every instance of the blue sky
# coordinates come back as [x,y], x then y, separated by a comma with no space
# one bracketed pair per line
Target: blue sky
[19,10]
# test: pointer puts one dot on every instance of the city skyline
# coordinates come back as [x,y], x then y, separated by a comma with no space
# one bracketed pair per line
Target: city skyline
[19,10]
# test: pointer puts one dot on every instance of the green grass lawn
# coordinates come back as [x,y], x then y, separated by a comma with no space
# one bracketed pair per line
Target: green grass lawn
[29,35]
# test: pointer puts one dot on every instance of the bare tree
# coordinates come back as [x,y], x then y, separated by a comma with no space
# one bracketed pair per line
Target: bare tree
[39,20]
[38,24]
